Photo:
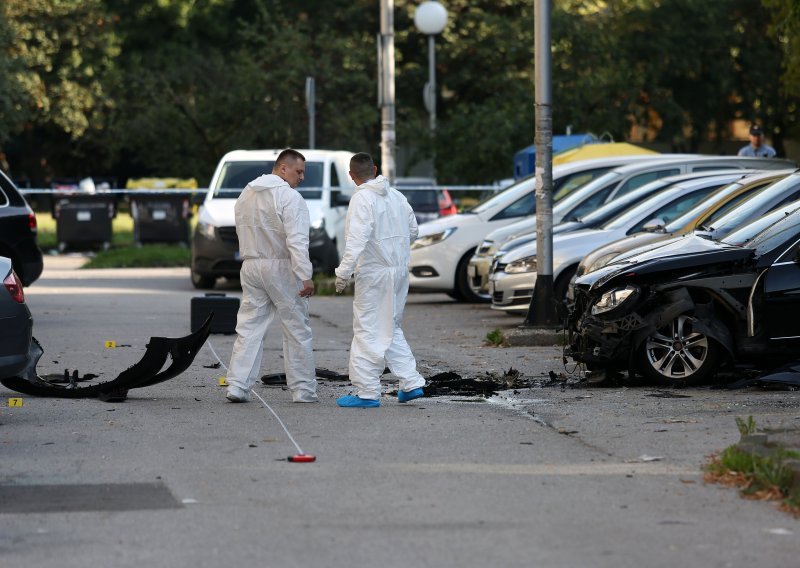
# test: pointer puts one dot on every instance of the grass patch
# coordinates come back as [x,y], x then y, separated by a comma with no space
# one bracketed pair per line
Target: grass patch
[325,285]
[495,338]
[763,476]
[148,256]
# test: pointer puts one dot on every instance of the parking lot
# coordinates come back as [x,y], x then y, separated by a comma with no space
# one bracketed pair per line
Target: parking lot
[444,481]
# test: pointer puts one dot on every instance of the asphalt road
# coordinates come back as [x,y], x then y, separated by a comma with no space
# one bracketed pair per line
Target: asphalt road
[534,477]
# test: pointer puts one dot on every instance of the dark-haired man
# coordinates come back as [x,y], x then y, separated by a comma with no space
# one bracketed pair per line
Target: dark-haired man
[757,148]
[379,230]
[272,223]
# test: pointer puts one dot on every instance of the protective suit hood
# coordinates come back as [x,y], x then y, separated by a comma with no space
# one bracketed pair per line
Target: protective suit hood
[267,181]
[379,185]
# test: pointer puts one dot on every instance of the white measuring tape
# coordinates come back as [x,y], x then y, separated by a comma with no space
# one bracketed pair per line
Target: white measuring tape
[264,402]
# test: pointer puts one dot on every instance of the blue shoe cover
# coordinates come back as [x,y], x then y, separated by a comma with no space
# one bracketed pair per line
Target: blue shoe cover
[352,401]
[403,396]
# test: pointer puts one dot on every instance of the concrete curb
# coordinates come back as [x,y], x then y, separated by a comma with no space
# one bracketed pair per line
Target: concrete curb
[533,337]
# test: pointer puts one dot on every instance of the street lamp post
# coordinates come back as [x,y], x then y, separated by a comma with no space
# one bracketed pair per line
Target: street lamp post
[431,18]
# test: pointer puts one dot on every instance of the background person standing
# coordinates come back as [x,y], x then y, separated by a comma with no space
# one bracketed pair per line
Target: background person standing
[272,223]
[757,148]
[379,230]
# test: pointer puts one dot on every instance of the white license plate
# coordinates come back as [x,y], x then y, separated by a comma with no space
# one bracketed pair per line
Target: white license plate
[159,215]
[84,215]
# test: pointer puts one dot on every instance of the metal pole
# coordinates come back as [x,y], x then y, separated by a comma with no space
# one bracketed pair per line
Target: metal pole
[310,106]
[542,311]
[387,98]
[432,82]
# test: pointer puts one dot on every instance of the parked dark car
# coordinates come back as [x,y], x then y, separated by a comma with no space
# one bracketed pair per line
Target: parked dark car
[18,233]
[426,199]
[15,323]
[679,313]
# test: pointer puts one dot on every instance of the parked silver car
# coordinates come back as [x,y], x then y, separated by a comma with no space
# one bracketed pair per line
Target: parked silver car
[16,323]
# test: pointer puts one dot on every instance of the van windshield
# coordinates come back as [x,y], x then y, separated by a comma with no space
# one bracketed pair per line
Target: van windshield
[236,175]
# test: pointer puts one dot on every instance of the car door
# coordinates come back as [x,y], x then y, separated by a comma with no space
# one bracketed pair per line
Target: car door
[337,212]
[782,299]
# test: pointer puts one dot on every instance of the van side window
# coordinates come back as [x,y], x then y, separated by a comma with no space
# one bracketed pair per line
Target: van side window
[334,177]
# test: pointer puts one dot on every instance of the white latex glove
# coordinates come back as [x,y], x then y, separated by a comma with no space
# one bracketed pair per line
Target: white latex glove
[341,284]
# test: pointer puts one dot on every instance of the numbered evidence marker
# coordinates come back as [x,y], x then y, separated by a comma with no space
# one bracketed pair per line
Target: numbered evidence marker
[14,402]
[223,382]
[111,344]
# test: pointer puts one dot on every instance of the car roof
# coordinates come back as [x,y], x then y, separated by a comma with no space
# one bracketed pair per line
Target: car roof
[310,155]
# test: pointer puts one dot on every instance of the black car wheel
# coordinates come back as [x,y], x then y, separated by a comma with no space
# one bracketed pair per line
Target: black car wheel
[677,355]
[463,290]
[202,281]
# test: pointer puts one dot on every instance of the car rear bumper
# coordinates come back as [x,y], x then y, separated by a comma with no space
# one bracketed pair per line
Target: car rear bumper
[15,339]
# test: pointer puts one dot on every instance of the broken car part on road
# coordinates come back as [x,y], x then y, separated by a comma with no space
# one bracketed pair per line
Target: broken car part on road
[147,372]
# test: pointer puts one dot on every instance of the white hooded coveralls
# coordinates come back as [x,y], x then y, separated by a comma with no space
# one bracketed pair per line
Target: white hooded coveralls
[379,229]
[272,223]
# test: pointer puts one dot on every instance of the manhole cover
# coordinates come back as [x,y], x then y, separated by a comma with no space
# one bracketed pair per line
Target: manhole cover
[100,497]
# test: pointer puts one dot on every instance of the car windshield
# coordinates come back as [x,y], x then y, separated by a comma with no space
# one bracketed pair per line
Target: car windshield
[613,208]
[571,204]
[739,215]
[759,233]
[421,200]
[236,175]
[718,197]
[511,193]
[666,205]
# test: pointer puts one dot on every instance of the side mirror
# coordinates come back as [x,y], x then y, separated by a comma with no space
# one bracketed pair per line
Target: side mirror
[655,225]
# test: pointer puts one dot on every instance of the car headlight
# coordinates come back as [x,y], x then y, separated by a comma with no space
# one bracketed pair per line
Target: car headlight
[317,229]
[600,262]
[428,240]
[205,229]
[614,298]
[527,264]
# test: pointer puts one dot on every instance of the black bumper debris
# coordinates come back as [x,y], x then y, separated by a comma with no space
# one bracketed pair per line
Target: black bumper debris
[147,372]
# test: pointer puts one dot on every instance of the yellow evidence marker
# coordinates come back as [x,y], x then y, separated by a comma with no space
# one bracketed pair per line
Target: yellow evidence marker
[14,402]
[223,382]
[111,344]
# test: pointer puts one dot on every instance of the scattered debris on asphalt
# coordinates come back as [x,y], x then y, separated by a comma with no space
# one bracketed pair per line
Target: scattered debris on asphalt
[147,372]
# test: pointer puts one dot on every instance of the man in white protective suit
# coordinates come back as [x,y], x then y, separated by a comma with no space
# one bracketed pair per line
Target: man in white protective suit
[379,230]
[272,223]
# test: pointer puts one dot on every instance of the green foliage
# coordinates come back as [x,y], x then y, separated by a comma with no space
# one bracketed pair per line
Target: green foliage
[746,427]
[495,338]
[165,87]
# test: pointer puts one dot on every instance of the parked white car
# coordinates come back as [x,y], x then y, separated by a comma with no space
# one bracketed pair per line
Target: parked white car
[522,232]
[514,274]
[327,189]
[439,257]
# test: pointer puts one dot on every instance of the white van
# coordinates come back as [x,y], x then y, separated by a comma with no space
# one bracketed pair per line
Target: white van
[327,189]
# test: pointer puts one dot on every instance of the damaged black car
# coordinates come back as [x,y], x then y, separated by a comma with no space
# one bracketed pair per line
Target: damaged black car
[680,313]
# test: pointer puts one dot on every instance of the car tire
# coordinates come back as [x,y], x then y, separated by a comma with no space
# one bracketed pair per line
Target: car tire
[676,355]
[463,290]
[203,281]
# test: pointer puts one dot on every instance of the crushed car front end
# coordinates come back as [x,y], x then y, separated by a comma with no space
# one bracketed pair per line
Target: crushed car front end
[622,311]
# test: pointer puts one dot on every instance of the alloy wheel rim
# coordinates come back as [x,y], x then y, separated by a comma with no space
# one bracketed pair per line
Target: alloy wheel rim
[677,351]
